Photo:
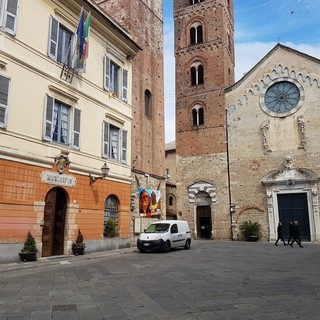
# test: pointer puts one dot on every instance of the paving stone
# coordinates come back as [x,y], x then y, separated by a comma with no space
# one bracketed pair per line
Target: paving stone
[214,280]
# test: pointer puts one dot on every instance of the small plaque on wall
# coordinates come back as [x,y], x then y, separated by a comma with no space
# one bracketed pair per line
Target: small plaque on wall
[137,225]
[58,179]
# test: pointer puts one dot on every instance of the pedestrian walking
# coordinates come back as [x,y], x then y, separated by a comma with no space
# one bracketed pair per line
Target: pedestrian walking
[280,234]
[290,231]
[296,234]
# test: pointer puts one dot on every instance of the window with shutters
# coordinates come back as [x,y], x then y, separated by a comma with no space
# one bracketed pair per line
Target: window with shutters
[8,15]
[4,95]
[62,46]
[61,123]
[114,145]
[115,78]
[59,42]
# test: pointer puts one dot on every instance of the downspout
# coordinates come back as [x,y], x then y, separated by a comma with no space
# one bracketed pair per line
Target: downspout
[231,206]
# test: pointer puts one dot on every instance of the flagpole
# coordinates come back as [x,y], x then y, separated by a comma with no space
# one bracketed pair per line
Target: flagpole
[71,43]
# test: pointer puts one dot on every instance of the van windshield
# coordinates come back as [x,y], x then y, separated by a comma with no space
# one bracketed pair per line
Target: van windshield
[157,228]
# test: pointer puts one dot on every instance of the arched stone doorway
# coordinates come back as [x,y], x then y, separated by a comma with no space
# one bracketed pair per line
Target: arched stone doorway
[204,222]
[54,222]
[202,194]
[292,194]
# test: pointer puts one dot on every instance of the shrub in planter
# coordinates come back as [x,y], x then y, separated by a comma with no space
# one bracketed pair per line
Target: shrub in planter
[78,246]
[29,250]
[250,230]
[110,229]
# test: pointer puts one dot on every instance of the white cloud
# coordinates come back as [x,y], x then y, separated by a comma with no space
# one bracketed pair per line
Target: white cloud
[248,54]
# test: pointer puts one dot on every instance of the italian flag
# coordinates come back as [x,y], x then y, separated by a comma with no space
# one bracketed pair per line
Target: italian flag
[86,31]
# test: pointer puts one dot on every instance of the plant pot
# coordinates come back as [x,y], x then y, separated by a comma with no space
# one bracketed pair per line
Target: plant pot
[78,251]
[28,256]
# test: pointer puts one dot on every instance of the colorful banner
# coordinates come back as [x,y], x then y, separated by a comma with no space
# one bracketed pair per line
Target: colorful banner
[149,202]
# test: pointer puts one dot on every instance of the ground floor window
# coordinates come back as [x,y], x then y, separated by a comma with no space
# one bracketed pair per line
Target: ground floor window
[110,228]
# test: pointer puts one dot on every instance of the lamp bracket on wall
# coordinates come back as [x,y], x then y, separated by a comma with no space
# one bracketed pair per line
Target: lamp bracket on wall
[104,172]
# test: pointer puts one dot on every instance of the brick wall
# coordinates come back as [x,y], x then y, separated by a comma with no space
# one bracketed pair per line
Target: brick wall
[22,200]
[143,19]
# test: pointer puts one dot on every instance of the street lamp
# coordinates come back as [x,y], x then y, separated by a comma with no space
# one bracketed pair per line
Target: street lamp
[104,172]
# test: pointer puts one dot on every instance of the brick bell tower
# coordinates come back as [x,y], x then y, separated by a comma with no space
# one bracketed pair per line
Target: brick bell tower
[143,19]
[204,57]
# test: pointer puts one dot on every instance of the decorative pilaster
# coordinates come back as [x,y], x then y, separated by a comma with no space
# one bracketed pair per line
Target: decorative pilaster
[302,129]
[264,130]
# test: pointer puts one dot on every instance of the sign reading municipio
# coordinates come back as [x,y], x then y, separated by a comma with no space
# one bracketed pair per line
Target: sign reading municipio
[58,179]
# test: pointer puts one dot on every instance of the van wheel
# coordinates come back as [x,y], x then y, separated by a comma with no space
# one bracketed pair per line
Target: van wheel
[166,247]
[142,250]
[187,245]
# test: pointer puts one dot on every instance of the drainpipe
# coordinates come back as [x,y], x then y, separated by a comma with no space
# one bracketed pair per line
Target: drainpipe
[231,205]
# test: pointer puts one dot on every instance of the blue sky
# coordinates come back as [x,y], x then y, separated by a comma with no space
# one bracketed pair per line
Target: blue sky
[259,26]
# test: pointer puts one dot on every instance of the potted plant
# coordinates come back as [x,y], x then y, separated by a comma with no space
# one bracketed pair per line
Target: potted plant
[110,229]
[78,246]
[250,230]
[29,250]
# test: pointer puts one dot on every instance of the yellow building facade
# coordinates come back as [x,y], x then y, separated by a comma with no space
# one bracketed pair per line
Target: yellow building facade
[61,120]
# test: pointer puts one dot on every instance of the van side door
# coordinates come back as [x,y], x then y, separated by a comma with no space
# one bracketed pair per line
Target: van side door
[174,232]
[177,237]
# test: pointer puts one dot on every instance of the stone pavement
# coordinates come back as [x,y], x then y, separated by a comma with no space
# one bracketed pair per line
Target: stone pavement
[221,280]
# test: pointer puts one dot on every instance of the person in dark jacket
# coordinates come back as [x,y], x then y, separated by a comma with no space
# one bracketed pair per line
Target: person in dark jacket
[280,234]
[290,231]
[296,234]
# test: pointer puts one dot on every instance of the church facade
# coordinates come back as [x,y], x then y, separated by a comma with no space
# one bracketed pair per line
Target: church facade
[274,151]
[245,150]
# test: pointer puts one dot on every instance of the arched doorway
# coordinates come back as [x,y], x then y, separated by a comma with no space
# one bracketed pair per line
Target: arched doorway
[202,203]
[294,207]
[54,222]
[204,223]
[292,194]
[202,194]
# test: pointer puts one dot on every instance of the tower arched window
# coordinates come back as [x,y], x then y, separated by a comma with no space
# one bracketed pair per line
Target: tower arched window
[148,104]
[197,75]
[195,1]
[229,44]
[197,116]
[170,200]
[111,206]
[196,35]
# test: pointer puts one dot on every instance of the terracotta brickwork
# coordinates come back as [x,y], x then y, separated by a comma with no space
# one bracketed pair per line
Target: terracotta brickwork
[201,147]
[143,19]
[216,54]
[22,201]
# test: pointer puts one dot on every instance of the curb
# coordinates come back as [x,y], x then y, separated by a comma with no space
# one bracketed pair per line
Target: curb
[65,259]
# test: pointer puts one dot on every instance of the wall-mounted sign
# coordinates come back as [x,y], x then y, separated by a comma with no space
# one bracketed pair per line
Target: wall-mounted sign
[58,179]
[149,202]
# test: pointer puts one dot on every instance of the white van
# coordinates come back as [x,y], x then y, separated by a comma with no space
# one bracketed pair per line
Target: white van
[164,235]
